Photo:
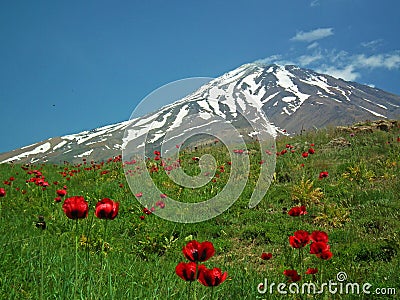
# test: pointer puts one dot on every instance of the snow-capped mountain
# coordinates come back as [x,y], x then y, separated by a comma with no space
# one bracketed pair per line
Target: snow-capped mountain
[292,98]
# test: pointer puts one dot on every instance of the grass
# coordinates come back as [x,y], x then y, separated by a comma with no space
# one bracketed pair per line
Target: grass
[357,205]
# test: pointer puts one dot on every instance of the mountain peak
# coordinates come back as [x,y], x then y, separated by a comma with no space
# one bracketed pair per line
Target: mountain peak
[293,99]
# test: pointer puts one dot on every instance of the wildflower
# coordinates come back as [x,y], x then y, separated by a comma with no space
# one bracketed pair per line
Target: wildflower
[107,209]
[266,256]
[75,207]
[311,151]
[297,211]
[160,204]
[319,236]
[319,247]
[299,239]
[325,255]
[186,271]
[323,175]
[211,277]
[61,193]
[195,251]
[312,271]
[304,154]
[292,275]
[2,192]
[146,211]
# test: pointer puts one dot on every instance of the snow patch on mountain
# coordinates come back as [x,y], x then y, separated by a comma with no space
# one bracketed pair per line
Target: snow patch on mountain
[84,154]
[42,148]
[373,112]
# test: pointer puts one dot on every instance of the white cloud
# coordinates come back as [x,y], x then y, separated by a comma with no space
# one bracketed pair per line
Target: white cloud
[339,63]
[312,35]
[388,61]
[306,60]
[312,46]
[372,44]
[347,73]
[314,3]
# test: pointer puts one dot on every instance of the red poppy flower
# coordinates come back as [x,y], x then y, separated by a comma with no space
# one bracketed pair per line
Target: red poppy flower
[57,199]
[211,277]
[299,239]
[157,153]
[266,256]
[2,192]
[107,209]
[304,154]
[61,193]
[319,236]
[319,247]
[323,175]
[297,211]
[146,211]
[160,204]
[186,271]
[311,151]
[325,255]
[195,251]
[292,274]
[75,207]
[312,271]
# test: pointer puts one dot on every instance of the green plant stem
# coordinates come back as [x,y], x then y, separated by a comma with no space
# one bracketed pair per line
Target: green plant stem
[189,289]
[195,276]
[110,286]
[320,270]
[76,257]
[41,267]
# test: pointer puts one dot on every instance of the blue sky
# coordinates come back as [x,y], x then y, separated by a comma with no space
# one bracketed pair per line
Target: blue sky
[69,66]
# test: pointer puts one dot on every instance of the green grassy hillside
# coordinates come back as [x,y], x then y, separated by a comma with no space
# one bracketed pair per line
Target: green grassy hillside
[348,183]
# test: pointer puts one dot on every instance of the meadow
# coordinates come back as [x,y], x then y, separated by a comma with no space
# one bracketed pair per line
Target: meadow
[344,184]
